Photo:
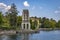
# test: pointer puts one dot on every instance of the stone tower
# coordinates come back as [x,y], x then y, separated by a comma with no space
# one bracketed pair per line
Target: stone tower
[25,20]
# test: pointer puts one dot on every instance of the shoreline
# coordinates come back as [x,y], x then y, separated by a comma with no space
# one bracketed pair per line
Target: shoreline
[11,32]
[49,29]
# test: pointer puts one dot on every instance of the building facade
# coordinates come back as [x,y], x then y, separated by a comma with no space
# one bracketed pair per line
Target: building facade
[25,19]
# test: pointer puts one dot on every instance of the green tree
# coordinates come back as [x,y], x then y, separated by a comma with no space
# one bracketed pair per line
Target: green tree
[5,21]
[1,20]
[53,23]
[34,23]
[47,23]
[58,24]
[33,26]
[13,15]
[19,20]
[42,22]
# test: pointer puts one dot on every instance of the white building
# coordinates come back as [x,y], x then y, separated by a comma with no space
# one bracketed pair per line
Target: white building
[25,19]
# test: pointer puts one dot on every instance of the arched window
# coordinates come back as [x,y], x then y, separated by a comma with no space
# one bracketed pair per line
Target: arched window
[24,26]
[27,26]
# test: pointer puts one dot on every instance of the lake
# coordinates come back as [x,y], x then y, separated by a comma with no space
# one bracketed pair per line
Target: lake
[42,35]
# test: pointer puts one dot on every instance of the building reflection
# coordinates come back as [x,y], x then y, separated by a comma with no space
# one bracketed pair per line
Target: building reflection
[23,36]
[15,37]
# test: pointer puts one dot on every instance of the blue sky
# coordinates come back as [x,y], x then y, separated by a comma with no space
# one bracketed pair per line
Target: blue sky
[39,8]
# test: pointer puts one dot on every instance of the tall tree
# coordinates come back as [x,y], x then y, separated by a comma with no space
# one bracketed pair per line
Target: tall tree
[58,24]
[35,22]
[1,20]
[53,23]
[13,15]
[5,21]
[42,21]
[19,20]
[45,23]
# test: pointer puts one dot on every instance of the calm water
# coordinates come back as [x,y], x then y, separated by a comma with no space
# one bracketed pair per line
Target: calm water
[43,35]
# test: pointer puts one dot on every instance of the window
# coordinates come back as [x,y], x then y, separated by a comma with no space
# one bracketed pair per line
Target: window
[24,26]
[27,26]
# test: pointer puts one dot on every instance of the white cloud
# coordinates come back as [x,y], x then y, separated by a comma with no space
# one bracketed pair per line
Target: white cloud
[57,11]
[4,6]
[26,4]
[8,7]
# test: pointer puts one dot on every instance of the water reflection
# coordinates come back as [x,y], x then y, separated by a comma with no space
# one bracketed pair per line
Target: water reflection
[42,35]
[4,37]
[23,36]
[12,37]
[7,37]
[15,37]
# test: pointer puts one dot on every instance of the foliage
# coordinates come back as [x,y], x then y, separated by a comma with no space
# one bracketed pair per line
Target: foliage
[58,24]
[34,24]
[46,23]
[5,22]
[13,15]
[52,23]
[19,20]
[1,20]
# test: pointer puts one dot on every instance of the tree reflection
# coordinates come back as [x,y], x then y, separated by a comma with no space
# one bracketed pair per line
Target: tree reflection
[24,36]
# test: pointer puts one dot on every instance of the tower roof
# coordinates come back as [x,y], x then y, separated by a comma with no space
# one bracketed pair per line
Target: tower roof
[25,11]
